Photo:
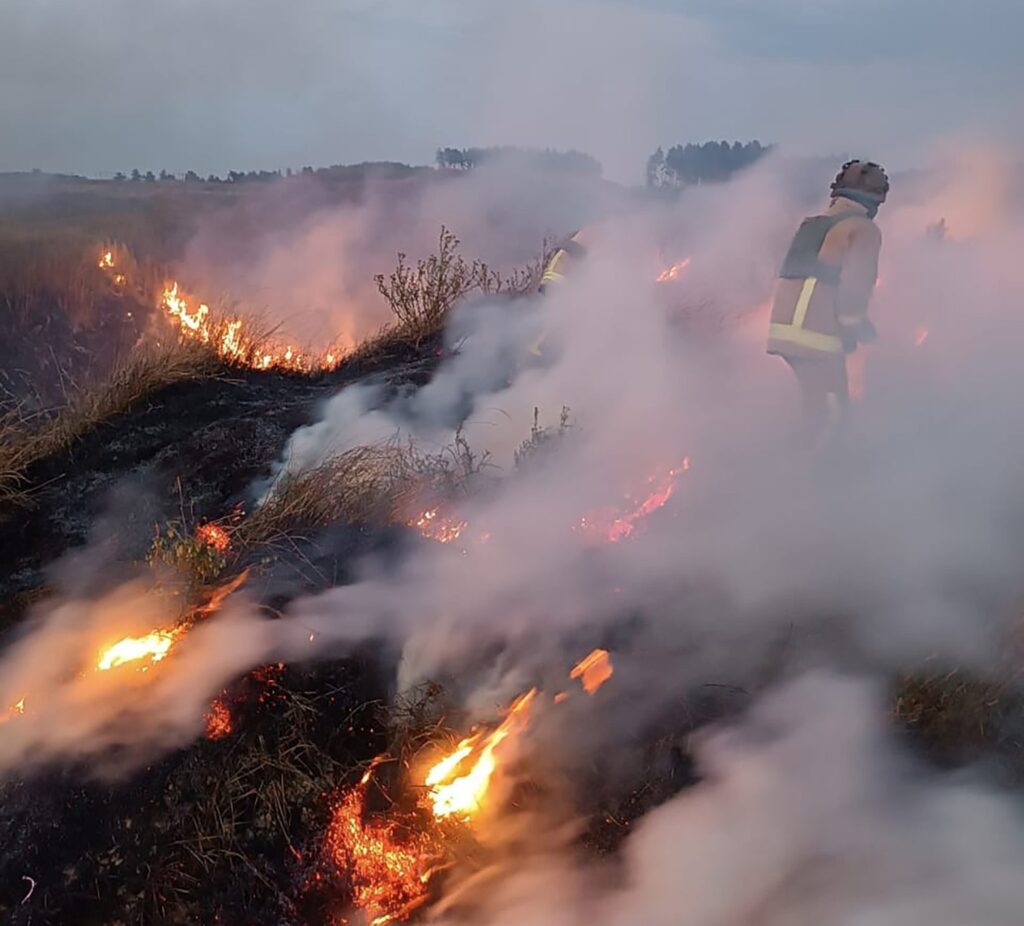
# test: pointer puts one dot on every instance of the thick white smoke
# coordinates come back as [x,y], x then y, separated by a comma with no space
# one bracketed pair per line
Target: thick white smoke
[805,814]
[899,546]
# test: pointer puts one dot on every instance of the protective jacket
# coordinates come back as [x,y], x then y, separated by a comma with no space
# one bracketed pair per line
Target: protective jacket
[825,284]
[569,252]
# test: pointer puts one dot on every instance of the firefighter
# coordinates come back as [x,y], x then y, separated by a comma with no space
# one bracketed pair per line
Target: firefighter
[567,256]
[820,311]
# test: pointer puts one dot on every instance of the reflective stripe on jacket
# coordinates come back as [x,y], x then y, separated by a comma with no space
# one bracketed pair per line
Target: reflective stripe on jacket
[822,295]
[562,260]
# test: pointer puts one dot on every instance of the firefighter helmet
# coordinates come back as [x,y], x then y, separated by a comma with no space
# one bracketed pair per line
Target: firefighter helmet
[862,177]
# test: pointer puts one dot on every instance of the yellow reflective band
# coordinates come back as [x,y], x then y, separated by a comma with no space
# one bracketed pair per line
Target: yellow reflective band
[804,338]
[800,313]
[550,276]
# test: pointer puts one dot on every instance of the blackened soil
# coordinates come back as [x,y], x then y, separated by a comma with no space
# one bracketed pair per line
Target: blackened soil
[227,831]
[192,448]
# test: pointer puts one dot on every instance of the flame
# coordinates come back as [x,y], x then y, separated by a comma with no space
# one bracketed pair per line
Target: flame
[460,796]
[152,647]
[433,525]
[218,720]
[228,337]
[213,535]
[387,865]
[614,528]
[593,670]
[673,272]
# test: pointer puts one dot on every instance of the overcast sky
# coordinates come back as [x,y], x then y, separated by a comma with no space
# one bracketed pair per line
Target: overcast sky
[97,86]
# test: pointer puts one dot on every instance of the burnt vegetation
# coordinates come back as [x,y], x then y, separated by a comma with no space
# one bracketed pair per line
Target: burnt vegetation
[98,415]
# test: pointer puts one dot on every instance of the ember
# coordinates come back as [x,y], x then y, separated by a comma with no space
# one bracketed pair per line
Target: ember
[673,272]
[153,647]
[387,864]
[435,526]
[460,795]
[218,720]
[614,528]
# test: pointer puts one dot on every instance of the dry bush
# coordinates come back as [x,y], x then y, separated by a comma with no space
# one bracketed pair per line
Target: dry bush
[380,483]
[26,441]
[421,296]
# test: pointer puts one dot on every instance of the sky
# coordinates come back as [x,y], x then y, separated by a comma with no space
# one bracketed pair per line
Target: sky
[214,85]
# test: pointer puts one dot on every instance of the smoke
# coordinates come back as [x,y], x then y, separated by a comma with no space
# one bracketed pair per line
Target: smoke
[898,546]
[120,717]
[805,813]
[302,255]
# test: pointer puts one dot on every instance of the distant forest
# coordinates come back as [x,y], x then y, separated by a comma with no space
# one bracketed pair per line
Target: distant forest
[468,158]
[711,162]
[680,166]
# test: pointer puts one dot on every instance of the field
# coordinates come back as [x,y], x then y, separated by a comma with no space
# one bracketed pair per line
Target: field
[130,450]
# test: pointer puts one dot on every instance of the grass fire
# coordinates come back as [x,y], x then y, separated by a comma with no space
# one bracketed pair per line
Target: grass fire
[518,537]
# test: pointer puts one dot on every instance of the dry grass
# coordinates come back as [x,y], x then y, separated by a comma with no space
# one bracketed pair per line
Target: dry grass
[954,712]
[26,441]
[381,483]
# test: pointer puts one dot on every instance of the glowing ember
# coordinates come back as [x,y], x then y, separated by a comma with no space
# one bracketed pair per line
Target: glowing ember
[218,720]
[593,670]
[435,526]
[387,865]
[213,535]
[14,710]
[920,336]
[106,261]
[152,648]
[673,272]
[614,528]
[460,795]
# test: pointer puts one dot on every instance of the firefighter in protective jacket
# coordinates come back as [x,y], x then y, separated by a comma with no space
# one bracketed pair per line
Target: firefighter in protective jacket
[569,254]
[820,310]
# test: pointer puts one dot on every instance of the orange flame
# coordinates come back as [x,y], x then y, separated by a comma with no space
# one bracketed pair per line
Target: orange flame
[153,647]
[227,337]
[213,535]
[593,670]
[460,795]
[673,272]
[387,865]
[615,528]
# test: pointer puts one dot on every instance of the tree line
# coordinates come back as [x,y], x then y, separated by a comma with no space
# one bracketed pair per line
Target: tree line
[711,162]
[470,158]
[680,166]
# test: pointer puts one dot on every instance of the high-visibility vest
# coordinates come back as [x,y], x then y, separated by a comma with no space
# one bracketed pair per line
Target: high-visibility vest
[803,314]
